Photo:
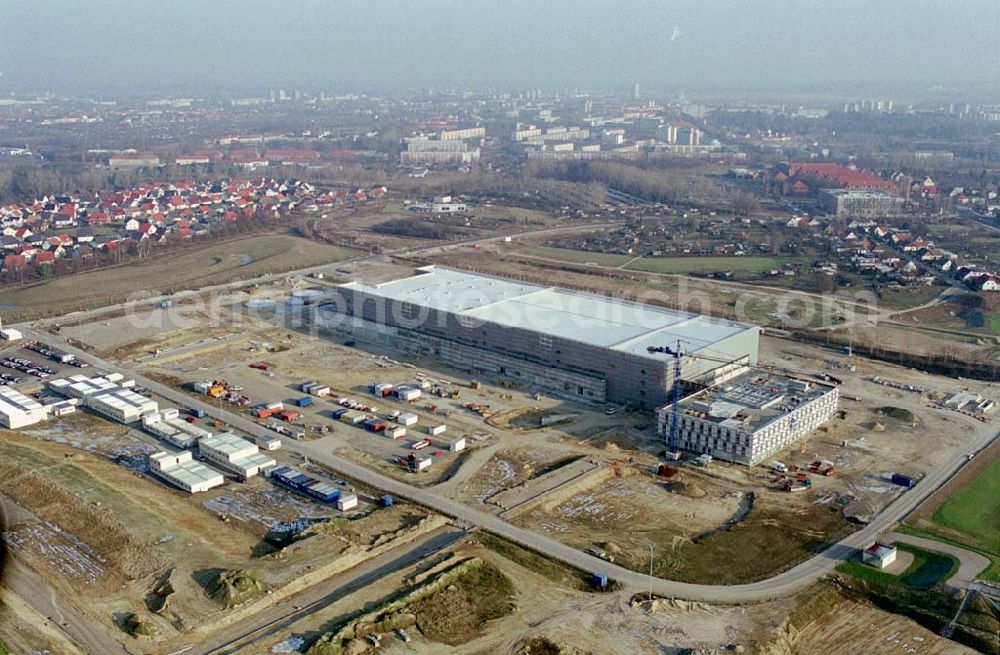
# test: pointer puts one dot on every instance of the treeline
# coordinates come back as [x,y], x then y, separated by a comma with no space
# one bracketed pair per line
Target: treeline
[650,185]
[423,229]
[942,363]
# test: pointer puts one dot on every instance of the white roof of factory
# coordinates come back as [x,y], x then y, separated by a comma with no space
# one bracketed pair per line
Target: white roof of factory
[13,401]
[123,399]
[583,317]
[259,460]
[186,471]
[228,444]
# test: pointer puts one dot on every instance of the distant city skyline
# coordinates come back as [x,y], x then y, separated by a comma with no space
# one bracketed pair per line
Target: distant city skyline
[807,46]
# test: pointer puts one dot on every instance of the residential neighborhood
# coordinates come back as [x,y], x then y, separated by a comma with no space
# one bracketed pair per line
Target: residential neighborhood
[80,226]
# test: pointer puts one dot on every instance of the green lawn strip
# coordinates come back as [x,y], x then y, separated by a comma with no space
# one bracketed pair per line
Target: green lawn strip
[991,573]
[708,264]
[574,256]
[926,569]
[974,509]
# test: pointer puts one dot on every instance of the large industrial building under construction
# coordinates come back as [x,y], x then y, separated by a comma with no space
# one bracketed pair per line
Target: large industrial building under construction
[566,343]
[750,417]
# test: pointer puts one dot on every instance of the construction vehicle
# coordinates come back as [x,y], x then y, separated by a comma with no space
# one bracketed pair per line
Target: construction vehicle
[821,468]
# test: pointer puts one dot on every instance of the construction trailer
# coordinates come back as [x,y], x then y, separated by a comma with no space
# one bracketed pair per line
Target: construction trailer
[180,470]
[168,425]
[235,454]
[453,445]
[407,419]
[267,442]
[80,386]
[18,410]
[346,502]
[305,484]
[121,405]
[10,334]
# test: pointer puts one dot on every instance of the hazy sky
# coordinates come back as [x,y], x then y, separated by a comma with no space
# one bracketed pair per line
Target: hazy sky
[197,45]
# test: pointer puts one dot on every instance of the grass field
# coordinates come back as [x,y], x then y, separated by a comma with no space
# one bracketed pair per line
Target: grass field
[992,573]
[192,267]
[904,298]
[926,569]
[992,322]
[574,256]
[974,510]
[680,265]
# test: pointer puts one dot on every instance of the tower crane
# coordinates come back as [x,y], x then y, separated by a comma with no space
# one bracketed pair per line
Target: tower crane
[673,451]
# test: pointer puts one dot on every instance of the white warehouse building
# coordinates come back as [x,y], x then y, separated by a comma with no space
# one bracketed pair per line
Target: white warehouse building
[168,425]
[751,417]
[235,454]
[80,386]
[18,410]
[180,470]
[122,405]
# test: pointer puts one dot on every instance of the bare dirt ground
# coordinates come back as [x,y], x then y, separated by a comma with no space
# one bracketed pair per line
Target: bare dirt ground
[612,624]
[886,430]
[186,531]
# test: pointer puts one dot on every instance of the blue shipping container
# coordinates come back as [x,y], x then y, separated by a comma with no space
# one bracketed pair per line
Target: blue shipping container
[197,413]
[903,480]
[304,401]
[599,580]
[305,484]
[385,501]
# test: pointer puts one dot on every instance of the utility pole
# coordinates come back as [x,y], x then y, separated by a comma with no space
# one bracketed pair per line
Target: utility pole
[651,547]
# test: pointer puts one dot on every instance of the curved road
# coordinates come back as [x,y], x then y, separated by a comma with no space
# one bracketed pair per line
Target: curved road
[787,582]
[970,564]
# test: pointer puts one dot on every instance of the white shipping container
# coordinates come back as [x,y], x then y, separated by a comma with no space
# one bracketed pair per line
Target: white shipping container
[397,432]
[436,429]
[346,502]
[267,442]
[424,464]
[453,445]
[169,413]
[407,419]
[409,394]
[11,334]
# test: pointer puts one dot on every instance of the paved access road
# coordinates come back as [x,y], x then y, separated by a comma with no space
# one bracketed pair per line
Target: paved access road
[970,564]
[785,583]
[230,639]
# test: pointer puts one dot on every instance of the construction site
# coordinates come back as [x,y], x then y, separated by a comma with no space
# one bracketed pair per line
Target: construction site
[533,457]
[250,516]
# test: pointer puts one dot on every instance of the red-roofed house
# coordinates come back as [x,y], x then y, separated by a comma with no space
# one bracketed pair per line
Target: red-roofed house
[14,262]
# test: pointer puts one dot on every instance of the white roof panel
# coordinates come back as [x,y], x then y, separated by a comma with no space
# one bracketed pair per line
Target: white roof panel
[592,319]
